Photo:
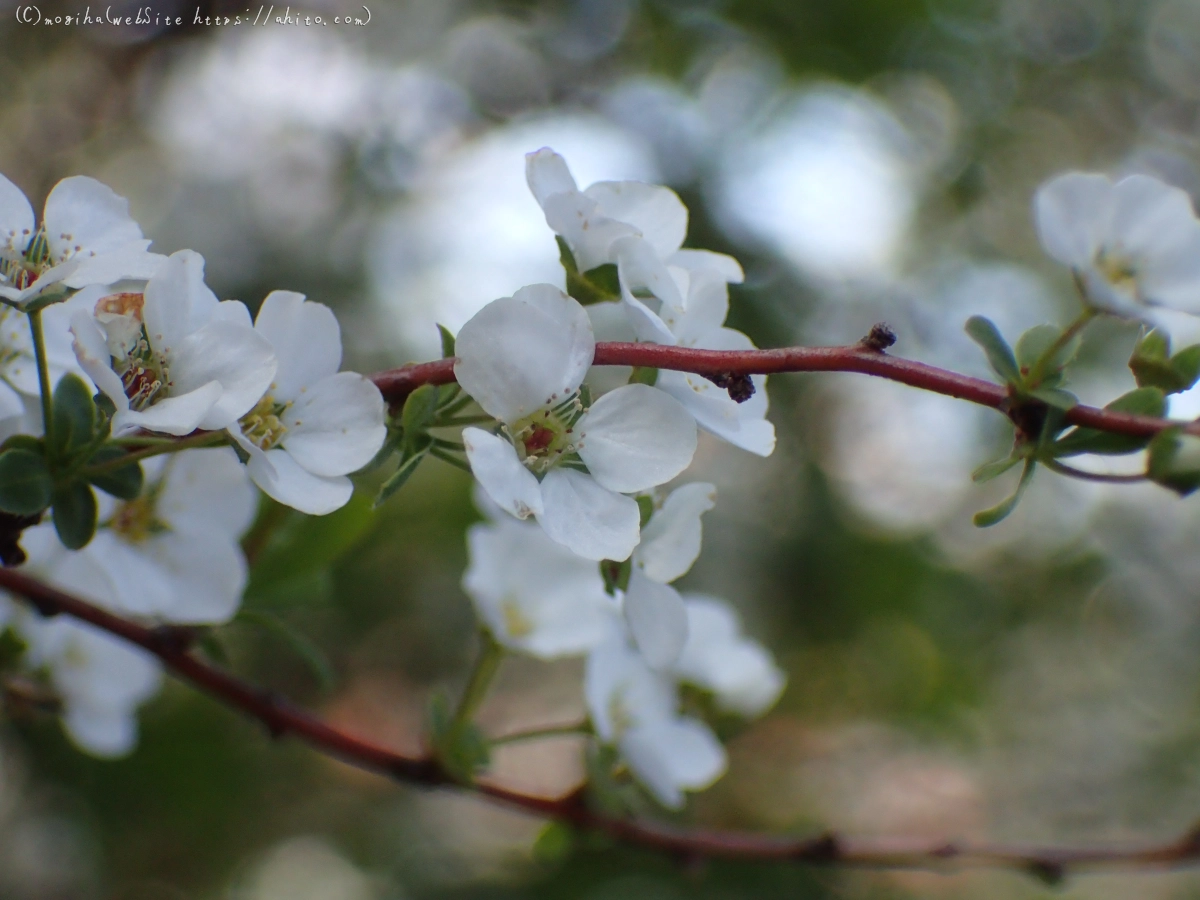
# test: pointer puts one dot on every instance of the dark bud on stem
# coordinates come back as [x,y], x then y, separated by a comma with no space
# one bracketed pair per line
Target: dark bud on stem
[740,387]
[879,338]
[11,527]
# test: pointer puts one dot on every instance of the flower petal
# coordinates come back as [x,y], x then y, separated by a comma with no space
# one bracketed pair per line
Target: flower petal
[307,340]
[621,690]
[207,487]
[209,574]
[655,211]
[82,212]
[671,539]
[335,426]
[1151,218]
[238,358]
[17,220]
[723,265]
[547,174]
[672,755]
[132,262]
[588,233]
[285,480]
[1074,216]
[657,620]
[177,301]
[717,413]
[593,521]
[521,353]
[641,271]
[496,466]
[177,415]
[91,349]
[635,438]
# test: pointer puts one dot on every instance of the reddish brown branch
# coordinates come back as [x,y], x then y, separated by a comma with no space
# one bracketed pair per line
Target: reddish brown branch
[396,384]
[283,718]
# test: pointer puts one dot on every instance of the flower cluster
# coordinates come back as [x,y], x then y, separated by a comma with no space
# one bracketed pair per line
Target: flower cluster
[150,483]
[592,574]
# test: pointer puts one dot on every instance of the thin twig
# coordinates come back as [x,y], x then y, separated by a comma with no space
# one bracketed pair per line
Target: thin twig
[283,718]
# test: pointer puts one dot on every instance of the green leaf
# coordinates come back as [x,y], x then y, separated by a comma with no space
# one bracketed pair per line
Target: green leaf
[999,355]
[554,843]
[75,514]
[305,546]
[994,469]
[24,442]
[1035,343]
[125,482]
[1059,399]
[998,513]
[461,747]
[1174,461]
[615,574]
[1144,401]
[1186,365]
[26,486]
[645,507]
[74,415]
[594,286]
[420,411]
[396,480]
[300,644]
[644,375]
[447,341]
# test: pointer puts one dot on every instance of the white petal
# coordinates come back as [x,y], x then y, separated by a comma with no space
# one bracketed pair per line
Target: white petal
[707,306]
[335,426]
[285,480]
[495,464]
[741,424]
[674,755]
[177,301]
[657,620]
[671,539]
[641,270]
[588,233]
[109,733]
[16,220]
[635,438]
[1151,218]
[177,415]
[234,312]
[521,353]
[209,573]
[91,349]
[593,521]
[307,340]
[238,358]
[547,174]
[133,262]
[208,486]
[1174,279]
[647,325]
[1074,216]
[11,403]
[656,211]
[140,585]
[726,267]
[621,690]
[82,212]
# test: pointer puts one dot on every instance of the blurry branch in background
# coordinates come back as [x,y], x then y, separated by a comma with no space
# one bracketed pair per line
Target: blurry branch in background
[171,644]
[865,357]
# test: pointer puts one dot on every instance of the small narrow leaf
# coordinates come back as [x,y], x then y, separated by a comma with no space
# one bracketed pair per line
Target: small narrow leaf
[420,409]
[124,482]
[1152,365]
[1145,401]
[1059,399]
[397,479]
[1174,461]
[994,469]
[1035,344]
[74,415]
[447,341]
[999,355]
[998,513]
[26,486]
[75,514]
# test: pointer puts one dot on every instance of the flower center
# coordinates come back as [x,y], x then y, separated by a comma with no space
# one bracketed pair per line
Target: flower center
[545,437]
[135,521]
[143,372]
[1118,270]
[262,425]
[516,623]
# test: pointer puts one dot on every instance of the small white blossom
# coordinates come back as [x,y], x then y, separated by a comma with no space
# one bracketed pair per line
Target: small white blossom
[1132,243]
[534,595]
[172,555]
[635,709]
[523,358]
[173,359]
[86,238]
[719,658]
[314,425]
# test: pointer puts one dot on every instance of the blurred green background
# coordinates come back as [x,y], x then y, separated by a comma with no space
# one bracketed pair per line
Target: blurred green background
[866,160]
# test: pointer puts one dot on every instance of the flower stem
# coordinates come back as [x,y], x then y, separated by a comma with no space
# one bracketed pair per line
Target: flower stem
[480,679]
[1038,372]
[203,439]
[1101,477]
[39,352]
[445,457]
[550,731]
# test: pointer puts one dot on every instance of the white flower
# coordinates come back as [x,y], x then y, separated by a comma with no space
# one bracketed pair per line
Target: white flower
[717,657]
[18,365]
[173,359]
[315,425]
[703,282]
[534,595]
[100,679]
[636,709]
[670,544]
[523,359]
[1131,243]
[172,554]
[86,237]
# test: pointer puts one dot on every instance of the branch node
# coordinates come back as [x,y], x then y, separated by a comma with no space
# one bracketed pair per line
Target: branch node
[879,338]
[175,639]
[273,716]
[740,387]
[824,848]
[1048,871]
